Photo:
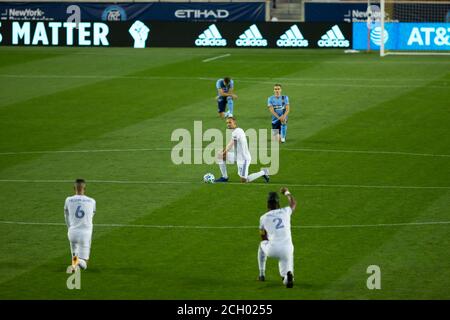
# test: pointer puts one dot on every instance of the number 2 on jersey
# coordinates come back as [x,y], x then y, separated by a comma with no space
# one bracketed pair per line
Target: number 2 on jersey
[279,223]
[79,213]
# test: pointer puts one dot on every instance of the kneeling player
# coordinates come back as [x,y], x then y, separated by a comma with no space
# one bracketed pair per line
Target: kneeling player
[225,96]
[79,211]
[275,228]
[241,156]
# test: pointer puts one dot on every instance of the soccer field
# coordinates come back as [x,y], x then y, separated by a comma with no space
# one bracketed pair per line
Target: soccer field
[367,157]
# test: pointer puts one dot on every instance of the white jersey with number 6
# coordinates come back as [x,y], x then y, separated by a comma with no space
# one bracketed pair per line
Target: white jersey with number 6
[277,224]
[79,211]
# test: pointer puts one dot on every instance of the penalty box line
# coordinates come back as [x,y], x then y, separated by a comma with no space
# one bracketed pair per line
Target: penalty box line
[344,226]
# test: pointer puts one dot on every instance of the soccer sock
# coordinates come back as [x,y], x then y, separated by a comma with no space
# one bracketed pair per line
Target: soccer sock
[283,130]
[261,261]
[230,105]
[82,263]
[223,169]
[254,176]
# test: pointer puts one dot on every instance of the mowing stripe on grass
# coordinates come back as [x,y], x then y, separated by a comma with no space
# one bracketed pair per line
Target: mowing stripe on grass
[249,80]
[218,57]
[281,149]
[118,225]
[229,183]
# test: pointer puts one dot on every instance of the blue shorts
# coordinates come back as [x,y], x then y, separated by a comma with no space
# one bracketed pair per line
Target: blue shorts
[277,125]
[221,105]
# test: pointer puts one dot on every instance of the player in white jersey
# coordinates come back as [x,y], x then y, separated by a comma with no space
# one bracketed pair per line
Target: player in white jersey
[79,211]
[237,151]
[275,229]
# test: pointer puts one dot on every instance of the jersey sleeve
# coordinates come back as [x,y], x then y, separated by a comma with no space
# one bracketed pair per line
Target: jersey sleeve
[288,210]
[286,100]
[66,214]
[269,101]
[218,86]
[261,223]
[231,84]
[94,207]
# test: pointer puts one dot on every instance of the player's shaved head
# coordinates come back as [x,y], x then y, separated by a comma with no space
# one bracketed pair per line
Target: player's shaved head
[227,80]
[80,186]
[273,200]
[277,85]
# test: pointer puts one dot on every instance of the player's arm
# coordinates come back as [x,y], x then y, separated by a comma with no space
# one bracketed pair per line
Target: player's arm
[283,117]
[231,91]
[292,201]
[66,215]
[227,94]
[263,234]
[272,111]
[227,148]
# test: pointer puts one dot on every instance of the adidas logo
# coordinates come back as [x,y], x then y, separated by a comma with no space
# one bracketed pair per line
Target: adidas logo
[251,38]
[211,37]
[292,38]
[333,38]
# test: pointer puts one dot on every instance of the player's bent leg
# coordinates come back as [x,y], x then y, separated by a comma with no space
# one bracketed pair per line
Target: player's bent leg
[221,161]
[276,130]
[286,266]
[262,259]
[83,264]
[84,256]
[243,170]
[230,104]
[262,173]
[283,131]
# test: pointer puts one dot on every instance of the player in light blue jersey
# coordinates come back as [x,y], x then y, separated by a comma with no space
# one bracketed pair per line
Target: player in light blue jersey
[279,108]
[225,96]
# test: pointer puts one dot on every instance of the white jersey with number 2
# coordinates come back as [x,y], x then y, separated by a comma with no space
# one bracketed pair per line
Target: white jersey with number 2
[277,224]
[79,211]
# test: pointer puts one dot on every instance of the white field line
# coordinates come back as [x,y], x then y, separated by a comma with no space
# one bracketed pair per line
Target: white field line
[218,57]
[335,82]
[117,225]
[281,149]
[229,183]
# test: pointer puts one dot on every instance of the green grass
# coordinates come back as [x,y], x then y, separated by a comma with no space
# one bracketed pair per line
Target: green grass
[62,99]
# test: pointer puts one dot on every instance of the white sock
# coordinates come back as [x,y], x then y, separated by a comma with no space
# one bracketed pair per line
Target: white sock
[82,263]
[261,262]
[223,169]
[254,176]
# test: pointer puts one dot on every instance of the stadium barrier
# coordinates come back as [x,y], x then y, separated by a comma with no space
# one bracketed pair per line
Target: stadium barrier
[176,34]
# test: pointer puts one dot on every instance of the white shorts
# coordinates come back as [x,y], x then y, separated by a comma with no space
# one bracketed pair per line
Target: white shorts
[283,252]
[80,243]
[243,166]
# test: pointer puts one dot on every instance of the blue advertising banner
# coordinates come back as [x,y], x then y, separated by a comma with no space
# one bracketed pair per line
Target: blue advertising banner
[357,12]
[336,12]
[156,11]
[403,36]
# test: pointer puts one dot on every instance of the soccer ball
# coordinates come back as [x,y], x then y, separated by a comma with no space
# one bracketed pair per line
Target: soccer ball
[208,178]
